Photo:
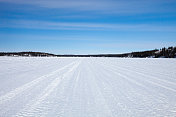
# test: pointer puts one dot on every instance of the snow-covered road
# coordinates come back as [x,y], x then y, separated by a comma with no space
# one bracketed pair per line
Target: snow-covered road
[87,87]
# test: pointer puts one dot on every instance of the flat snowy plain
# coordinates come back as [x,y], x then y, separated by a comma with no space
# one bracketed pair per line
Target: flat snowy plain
[87,87]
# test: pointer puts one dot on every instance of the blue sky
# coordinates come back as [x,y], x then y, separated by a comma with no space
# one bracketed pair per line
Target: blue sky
[87,26]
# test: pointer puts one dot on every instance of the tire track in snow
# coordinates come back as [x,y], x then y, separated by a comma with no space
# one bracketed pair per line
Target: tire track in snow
[98,93]
[66,97]
[68,107]
[150,92]
[158,97]
[100,90]
[23,88]
[114,102]
[125,77]
[144,99]
[149,76]
[146,71]
[140,73]
[32,109]
[151,82]
[82,97]
[56,105]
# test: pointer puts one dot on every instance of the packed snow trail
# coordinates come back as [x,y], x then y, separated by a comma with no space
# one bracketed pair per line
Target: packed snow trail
[87,87]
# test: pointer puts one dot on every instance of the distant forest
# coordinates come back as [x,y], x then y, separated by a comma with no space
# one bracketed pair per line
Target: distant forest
[169,52]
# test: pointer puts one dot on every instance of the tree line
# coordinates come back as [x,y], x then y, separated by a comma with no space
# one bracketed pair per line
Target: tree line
[27,54]
[169,52]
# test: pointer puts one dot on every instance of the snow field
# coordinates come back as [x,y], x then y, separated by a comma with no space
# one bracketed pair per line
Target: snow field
[87,87]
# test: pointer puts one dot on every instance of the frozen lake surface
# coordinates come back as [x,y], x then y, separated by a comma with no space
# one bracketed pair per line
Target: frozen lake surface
[87,87]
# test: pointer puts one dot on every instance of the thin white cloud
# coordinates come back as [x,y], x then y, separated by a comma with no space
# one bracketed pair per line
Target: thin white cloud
[105,6]
[46,25]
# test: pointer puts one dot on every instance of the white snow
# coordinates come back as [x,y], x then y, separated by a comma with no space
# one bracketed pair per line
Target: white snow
[87,87]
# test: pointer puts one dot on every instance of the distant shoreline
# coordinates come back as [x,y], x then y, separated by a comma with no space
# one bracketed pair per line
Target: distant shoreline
[169,52]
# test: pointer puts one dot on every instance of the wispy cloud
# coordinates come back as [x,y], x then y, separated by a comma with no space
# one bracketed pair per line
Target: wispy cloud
[47,25]
[105,6]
